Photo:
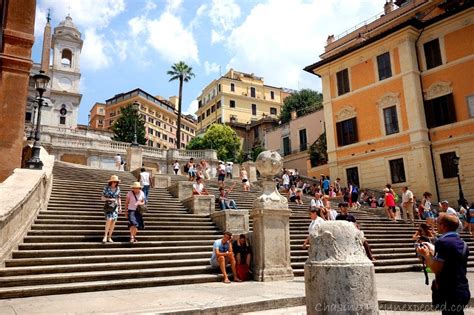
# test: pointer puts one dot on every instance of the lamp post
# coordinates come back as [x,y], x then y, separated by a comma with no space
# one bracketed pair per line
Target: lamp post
[41,82]
[461,200]
[136,108]
[32,130]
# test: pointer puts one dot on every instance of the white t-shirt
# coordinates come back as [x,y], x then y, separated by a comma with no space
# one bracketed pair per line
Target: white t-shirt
[176,166]
[198,187]
[451,211]
[118,159]
[317,203]
[313,226]
[286,179]
[145,179]
[332,214]
[228,169]
[406,196]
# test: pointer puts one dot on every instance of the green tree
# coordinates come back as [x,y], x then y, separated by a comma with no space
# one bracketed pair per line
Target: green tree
[318,154]
[182,72]
[256,151]
[124,126]
[218,137]
[303,102]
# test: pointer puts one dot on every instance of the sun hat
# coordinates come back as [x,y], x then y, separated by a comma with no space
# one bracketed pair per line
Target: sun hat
[445,201]
[386,190]
[136,185]
[114,178]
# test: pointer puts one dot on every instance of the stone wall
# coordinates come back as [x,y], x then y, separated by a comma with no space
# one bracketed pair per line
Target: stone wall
[28,192]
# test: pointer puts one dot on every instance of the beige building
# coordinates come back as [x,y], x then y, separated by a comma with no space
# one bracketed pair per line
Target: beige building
[159,114]
[252,135]
[293,139]
[399,99]
[238,97]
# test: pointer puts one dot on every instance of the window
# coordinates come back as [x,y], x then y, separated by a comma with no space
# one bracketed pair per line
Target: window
[213,108]
[232,104]
[62,120]
[171,140]
[151,120]
[272,95]
[256,133]
[352,174]
[346,132]
[384,66]
[208,112]
[28,116]
[450,169]
[199,104]
[440,111]
[218,105]
[252,92]
[397,171]
[165,137]
[254,109]
[218,87]
[150,143]
[232,87]
[343,82]
[158,134]
[303,140]
[150,131]
[286,146]
[66,58]
[219,120]
[199,118]
[187,138]
[273,111]
[391,120]
[432,54]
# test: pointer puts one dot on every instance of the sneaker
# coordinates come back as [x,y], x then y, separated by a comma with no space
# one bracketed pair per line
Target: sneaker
[110,240]
[104,240]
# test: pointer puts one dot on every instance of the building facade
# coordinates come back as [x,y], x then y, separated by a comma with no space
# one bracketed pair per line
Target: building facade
[160,118]
[238,97]
[293,139]
[399,99]
[252,135]
[63,95]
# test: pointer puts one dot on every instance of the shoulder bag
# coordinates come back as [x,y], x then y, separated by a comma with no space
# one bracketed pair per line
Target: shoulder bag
[140,208]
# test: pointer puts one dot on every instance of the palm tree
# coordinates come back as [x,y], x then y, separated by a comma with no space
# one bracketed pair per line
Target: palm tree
[182,72]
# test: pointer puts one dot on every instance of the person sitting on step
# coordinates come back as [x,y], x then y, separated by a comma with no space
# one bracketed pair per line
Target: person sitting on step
[243,257]
[223,254]
[316,220]
[294,196]
[224,201]
[198,187]
[111,194]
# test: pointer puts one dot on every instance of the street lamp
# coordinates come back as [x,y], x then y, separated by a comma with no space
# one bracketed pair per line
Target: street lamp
[32,130]
[461,200]
[41,82]
[136,108]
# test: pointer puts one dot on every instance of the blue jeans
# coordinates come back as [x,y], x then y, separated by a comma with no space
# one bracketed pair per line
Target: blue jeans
[146,189]
[230,204]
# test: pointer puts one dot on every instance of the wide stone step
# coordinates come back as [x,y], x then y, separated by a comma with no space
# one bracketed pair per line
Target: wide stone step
[49,215]
[106,250]
[100,221]
[98,238]
[26,291]
[118,233]
[177,245]
[122,226]
[197,257]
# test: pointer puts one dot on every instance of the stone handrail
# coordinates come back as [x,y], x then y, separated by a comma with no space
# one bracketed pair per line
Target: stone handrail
[25,193]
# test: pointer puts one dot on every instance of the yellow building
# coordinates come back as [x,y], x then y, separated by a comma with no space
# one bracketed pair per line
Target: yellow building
[399,99]
[159,114]
[237,97]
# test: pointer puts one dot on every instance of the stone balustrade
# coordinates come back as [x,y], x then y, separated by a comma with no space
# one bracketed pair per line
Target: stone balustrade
[201,204]
[234,221]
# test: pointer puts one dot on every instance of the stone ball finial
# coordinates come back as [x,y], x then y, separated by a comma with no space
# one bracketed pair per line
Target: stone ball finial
[269,163]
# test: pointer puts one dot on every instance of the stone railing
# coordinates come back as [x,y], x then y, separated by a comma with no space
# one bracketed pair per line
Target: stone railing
[26,193]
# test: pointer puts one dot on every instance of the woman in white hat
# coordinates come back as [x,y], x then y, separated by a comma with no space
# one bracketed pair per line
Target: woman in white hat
[135,198]
[111,195]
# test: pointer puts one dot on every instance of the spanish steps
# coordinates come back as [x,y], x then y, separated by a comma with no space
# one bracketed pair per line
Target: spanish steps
[62,252]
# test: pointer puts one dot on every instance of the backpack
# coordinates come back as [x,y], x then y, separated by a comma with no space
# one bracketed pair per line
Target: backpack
[355,189]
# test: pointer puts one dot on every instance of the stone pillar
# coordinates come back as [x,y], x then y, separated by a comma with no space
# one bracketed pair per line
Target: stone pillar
[15,63]
[236,171]
[234,221]
[181,190]
[339,278]
[271,228]
[251,170]
[134,158]
[200,204]
[162,181]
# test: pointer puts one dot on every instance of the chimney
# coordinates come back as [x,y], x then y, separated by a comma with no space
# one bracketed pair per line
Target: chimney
[388,7]
[294,115]
[330,39]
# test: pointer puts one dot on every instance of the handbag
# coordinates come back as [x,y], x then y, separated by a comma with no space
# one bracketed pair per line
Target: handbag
[141,208]
[110,206]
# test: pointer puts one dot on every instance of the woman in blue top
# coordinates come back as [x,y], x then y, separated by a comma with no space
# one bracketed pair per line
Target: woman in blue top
[470,215]
[111,194]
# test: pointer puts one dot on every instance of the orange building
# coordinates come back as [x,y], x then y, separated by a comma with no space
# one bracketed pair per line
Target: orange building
[399,99]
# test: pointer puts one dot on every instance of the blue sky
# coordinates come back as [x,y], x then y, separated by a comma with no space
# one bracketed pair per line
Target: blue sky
[132,43]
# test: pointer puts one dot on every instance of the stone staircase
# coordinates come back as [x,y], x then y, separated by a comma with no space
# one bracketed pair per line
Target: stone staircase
[391,242]
[63,253]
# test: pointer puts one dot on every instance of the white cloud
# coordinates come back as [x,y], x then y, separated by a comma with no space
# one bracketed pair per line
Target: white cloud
[223,14]
[173,5]
[192,108]
[200,11]
[211,67]
[150,5]
[137,25]
[40,21]
[96,51]
[121,46]
[277,39]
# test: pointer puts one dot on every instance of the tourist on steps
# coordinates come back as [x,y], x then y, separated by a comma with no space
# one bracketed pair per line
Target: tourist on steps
[135,198]
[118,161]
[245,180]
[111,194]
[191,169]
[390,208]
[198,187]
[220,173]
[243,257]
[145,182]
[224,201]
[222,254]
[316,220]
[176,167]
